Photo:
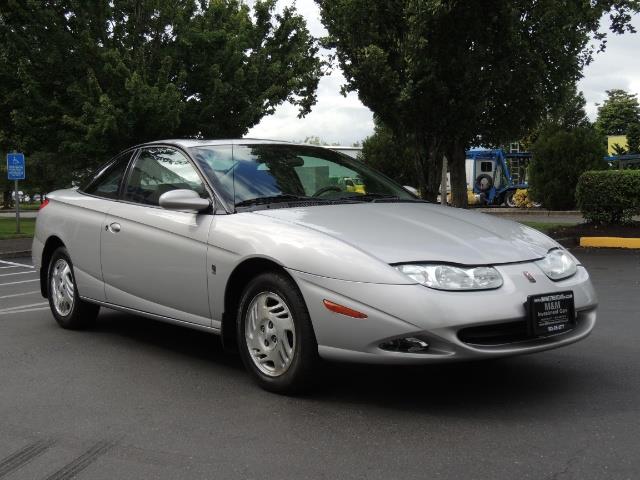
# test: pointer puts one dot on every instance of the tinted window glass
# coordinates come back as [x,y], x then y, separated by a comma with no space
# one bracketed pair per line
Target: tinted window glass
[158,170]
[107,181]
[247,172]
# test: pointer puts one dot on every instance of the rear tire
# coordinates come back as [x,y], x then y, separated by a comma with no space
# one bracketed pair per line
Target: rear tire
[508,199]
[275,335]
[68,309]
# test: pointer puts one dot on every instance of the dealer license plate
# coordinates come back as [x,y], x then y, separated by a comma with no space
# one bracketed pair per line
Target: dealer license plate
[551,313]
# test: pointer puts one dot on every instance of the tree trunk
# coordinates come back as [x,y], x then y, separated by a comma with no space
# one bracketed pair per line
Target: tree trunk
[6,198]
[428,166]
[444,182]
[458,175]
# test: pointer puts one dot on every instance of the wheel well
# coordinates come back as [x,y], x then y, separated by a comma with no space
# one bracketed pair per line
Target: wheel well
[50,246]
[238,280]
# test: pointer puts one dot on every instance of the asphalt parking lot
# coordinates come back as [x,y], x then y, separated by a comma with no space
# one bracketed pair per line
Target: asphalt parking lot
[135,399]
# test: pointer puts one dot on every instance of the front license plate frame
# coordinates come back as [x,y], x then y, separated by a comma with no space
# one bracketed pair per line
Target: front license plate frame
[551,313]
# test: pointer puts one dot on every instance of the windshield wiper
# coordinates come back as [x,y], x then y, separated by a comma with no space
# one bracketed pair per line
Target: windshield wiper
[382,197]
[371,197]
[275,199]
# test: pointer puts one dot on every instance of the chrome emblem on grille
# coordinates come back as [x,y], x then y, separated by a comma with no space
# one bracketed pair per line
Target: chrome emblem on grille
[529,277]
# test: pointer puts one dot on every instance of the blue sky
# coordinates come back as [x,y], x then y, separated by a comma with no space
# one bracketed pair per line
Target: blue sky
[345,120]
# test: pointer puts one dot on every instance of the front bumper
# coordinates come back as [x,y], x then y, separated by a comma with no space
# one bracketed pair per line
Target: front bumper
[442,319]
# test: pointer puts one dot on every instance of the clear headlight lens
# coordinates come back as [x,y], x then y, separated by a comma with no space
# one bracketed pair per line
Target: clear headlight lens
[449,277]
[557,265]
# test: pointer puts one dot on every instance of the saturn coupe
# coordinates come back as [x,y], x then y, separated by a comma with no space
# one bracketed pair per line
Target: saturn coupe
[264,244]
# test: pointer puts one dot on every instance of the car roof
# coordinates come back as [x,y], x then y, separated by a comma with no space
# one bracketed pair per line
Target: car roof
[189,142]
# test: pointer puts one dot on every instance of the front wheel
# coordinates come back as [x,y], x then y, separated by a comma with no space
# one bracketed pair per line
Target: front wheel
[509,201]
[68,309]
[275,336]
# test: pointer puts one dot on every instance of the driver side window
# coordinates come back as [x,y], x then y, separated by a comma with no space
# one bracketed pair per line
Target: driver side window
[158,170]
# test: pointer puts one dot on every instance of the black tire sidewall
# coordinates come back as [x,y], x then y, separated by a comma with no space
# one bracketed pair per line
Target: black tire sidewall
[297,376]
[508,199]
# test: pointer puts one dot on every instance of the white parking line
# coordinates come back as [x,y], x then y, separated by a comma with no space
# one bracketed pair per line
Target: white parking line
[14,264]
[20,307]
[20,294]
[13,312]
[15,273]
[22,281]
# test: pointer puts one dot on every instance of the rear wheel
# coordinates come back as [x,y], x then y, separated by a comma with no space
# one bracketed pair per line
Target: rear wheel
[275,335]
[68,309]
[509,200]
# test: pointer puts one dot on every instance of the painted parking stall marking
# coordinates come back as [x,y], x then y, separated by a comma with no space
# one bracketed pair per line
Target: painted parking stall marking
[17,292]
[14,264]
[14,273]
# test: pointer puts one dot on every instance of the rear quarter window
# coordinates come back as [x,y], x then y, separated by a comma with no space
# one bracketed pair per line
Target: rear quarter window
[107,181]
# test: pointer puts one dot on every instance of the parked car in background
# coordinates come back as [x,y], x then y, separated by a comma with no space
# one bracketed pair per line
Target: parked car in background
[259,242]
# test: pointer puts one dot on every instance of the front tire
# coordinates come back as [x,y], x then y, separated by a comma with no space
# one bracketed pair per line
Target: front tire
[275,335]
[68,309]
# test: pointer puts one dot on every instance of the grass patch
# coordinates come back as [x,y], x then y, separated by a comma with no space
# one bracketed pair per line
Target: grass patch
[8,228]
[546,228]
[23,207]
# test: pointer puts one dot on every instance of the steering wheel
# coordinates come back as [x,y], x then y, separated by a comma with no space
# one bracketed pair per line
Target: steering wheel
[329,188]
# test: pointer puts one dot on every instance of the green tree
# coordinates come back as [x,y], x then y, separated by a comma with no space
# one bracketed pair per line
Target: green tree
[316,140]
[633,138]
[560,156]
[618,112]
[80,81]
[450,74]
[567,115]
[389,154]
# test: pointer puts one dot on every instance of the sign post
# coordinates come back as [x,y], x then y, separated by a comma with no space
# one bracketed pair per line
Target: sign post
[15,172]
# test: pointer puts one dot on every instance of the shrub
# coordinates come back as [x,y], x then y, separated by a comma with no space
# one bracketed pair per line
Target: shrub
[521,198]
[611,196]
[559,157]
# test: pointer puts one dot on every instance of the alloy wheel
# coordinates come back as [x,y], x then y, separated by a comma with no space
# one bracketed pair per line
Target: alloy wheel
[270,334]
[62,287]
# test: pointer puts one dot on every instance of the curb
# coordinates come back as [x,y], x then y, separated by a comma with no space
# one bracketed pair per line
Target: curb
[610,242]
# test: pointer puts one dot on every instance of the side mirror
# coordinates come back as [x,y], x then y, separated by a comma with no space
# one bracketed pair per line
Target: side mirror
[183,199]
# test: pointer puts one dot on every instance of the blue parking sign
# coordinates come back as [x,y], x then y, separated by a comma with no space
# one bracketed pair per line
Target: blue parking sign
[15,166]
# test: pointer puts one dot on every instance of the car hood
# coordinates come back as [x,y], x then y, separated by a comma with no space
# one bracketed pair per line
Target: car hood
[413,232]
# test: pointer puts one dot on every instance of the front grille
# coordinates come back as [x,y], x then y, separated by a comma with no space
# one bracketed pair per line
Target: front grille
[495,334]
[500,333]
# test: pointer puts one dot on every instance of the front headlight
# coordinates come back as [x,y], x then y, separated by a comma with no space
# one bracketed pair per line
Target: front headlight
[557,264]
[449,277]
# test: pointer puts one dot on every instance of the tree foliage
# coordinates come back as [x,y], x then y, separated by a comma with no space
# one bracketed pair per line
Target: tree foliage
[633,138]
[567,115]
[389,154]
[618,113]
[80,81]
[560,156]
[450,74]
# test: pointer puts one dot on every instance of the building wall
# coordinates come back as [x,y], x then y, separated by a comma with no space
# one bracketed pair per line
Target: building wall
[613,139]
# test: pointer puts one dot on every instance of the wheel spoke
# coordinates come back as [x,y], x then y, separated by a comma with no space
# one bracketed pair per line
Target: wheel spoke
[283,351]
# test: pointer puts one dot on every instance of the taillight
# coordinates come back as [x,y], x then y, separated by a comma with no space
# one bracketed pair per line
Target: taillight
[44,204]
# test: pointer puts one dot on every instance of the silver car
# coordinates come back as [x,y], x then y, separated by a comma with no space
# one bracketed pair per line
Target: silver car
[266,244]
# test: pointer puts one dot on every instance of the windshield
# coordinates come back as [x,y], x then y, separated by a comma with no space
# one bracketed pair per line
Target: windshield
[256,174]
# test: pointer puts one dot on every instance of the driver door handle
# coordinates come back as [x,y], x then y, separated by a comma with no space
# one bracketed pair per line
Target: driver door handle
[113,227]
